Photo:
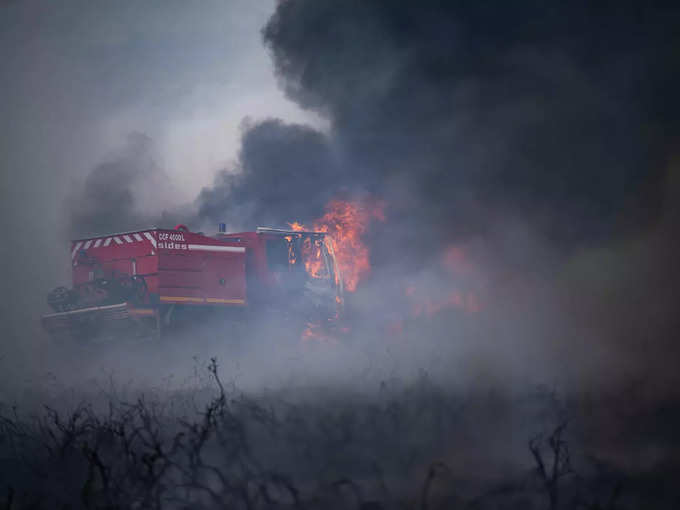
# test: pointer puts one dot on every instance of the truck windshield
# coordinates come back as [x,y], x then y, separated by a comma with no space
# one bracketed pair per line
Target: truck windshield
[314,257]
[277,254]
[300,254]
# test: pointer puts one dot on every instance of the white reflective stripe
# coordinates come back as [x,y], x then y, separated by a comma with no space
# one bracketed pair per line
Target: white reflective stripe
[127,238]
[85,310]
[117,239]
[87,244]
[208,247]
[150,238]
[137,237]
[108,241]
[97,243]
[75,249]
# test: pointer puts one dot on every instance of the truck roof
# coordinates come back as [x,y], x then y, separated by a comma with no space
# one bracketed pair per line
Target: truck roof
[111,234]
[259,230]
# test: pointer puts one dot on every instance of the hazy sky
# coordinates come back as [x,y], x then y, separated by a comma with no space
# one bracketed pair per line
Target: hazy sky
[77,77]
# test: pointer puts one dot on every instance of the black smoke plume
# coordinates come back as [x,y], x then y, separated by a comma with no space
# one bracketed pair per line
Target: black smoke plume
[284,172]
[563,114]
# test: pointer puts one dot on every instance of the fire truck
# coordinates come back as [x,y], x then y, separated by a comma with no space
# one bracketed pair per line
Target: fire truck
[146,280]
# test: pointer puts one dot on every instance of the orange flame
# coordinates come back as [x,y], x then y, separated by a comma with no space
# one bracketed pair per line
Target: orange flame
[452,292]
[346,222]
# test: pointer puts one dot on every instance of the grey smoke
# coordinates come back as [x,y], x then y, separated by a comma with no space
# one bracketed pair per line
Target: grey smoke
[285,172]
[537,137]
[128,191]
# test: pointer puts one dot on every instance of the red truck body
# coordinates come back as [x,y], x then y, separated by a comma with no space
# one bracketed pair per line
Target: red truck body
[177,266]
[148,273]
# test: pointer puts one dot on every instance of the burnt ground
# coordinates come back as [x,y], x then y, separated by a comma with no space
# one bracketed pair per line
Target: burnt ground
[212,439]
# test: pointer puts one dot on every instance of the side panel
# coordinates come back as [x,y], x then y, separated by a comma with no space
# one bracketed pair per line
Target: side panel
[261,281]
[224,277]
[178,267]
[195,269]
[130,254]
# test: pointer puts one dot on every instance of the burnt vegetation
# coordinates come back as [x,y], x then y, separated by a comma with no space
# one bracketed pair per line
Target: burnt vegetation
[414,446]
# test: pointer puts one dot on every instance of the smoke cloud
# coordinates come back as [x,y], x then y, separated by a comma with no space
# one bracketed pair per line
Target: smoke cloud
[530,143]
[563,115]
[284,172]
[536,138]
[128,191]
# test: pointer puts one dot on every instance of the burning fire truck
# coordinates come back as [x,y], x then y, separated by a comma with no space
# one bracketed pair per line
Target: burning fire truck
[144,280]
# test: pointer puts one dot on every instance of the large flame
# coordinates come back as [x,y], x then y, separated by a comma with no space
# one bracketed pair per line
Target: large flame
[346,222]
